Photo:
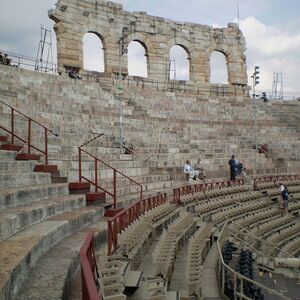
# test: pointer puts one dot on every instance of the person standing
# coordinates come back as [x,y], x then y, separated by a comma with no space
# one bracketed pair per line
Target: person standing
[232,165]
[285,198]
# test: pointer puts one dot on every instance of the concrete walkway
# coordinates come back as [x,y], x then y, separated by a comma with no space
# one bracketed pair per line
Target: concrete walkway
[210,286]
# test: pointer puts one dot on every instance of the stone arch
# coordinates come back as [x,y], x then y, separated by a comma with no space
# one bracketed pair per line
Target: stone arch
[187,47]
[138,58]
[93,58]
[218,62]
[179,63]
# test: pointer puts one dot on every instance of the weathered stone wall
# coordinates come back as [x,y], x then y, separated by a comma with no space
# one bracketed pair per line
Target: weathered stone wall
[111,23]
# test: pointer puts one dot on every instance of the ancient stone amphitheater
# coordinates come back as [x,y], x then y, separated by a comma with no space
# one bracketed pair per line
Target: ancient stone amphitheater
[86,214]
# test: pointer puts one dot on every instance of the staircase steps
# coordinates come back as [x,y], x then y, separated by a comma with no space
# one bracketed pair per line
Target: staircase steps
[17,219]
[11,179]
[20,253]
[18,196]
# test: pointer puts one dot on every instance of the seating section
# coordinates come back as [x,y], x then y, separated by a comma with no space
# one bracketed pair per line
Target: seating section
[199,245]
[157,289]
[192,199]
[111,277]
[137,233]
[165,252]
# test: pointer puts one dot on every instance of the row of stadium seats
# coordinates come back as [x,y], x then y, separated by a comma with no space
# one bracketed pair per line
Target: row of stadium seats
[164,253]
[199,246]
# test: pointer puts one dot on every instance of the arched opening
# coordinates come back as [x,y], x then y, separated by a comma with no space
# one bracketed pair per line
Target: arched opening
[137,59]
[218,68]
[179,63]
[93,53]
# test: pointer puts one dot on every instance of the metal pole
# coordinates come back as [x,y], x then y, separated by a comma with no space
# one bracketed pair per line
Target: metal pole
[254,117]
[119,91]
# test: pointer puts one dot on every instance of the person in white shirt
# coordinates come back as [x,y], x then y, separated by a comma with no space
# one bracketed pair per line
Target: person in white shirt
[189,171]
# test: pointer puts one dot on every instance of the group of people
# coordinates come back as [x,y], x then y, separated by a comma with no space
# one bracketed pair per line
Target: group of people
[236,168]
[4,60]
[196,172]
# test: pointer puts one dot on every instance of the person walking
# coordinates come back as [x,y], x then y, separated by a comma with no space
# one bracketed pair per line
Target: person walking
[232,166]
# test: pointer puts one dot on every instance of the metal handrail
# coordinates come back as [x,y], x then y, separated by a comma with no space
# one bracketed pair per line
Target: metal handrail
[237,275]
[29,132]
[191,189]
[95,182]
[127,216]
[89,269]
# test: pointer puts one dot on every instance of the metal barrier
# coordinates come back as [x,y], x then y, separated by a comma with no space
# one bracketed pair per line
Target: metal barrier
[127,216]
[95,182]
[89,271]
[274,179]
[28,140]
[191,189]
[224,270]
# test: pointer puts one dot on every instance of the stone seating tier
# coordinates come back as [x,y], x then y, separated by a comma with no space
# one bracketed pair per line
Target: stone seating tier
[90,109]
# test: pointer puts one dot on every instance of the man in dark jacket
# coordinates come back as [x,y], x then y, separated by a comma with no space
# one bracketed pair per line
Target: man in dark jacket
[232,165]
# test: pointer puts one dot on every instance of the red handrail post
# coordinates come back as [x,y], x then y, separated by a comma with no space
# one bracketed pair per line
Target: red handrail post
[115,189]
[79,164]
[46,146]
[12,125]
[29,135]
[96,175]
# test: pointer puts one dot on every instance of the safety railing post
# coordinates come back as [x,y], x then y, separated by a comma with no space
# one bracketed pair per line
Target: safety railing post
[96,175]
[115,189]
[12,125]
[29,136]
[79,164]
[46,146]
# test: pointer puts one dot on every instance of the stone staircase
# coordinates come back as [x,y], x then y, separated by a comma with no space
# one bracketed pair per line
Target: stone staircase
[36,215]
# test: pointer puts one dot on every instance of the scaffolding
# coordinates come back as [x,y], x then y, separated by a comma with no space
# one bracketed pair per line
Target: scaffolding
[277,89]
[44,57]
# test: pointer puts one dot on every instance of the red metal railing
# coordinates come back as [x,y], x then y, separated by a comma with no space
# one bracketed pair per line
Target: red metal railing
[191,189]
[95,182]
[89,269]
[124,218]
[27,140]
[275,178]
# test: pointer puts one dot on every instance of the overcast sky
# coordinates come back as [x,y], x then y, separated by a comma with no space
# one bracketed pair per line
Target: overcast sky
[271,29]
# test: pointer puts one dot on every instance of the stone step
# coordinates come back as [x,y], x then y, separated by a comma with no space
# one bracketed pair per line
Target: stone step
[16,166]
[7,155]
[17,219]
[20,253]
[18,196]
[23,179]
[51,278]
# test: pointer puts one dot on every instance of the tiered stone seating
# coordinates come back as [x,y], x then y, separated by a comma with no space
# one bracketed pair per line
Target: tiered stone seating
[165,251]
[199,245]
[35,216]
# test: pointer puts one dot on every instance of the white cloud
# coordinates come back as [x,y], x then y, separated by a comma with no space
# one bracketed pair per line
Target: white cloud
[274,50]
